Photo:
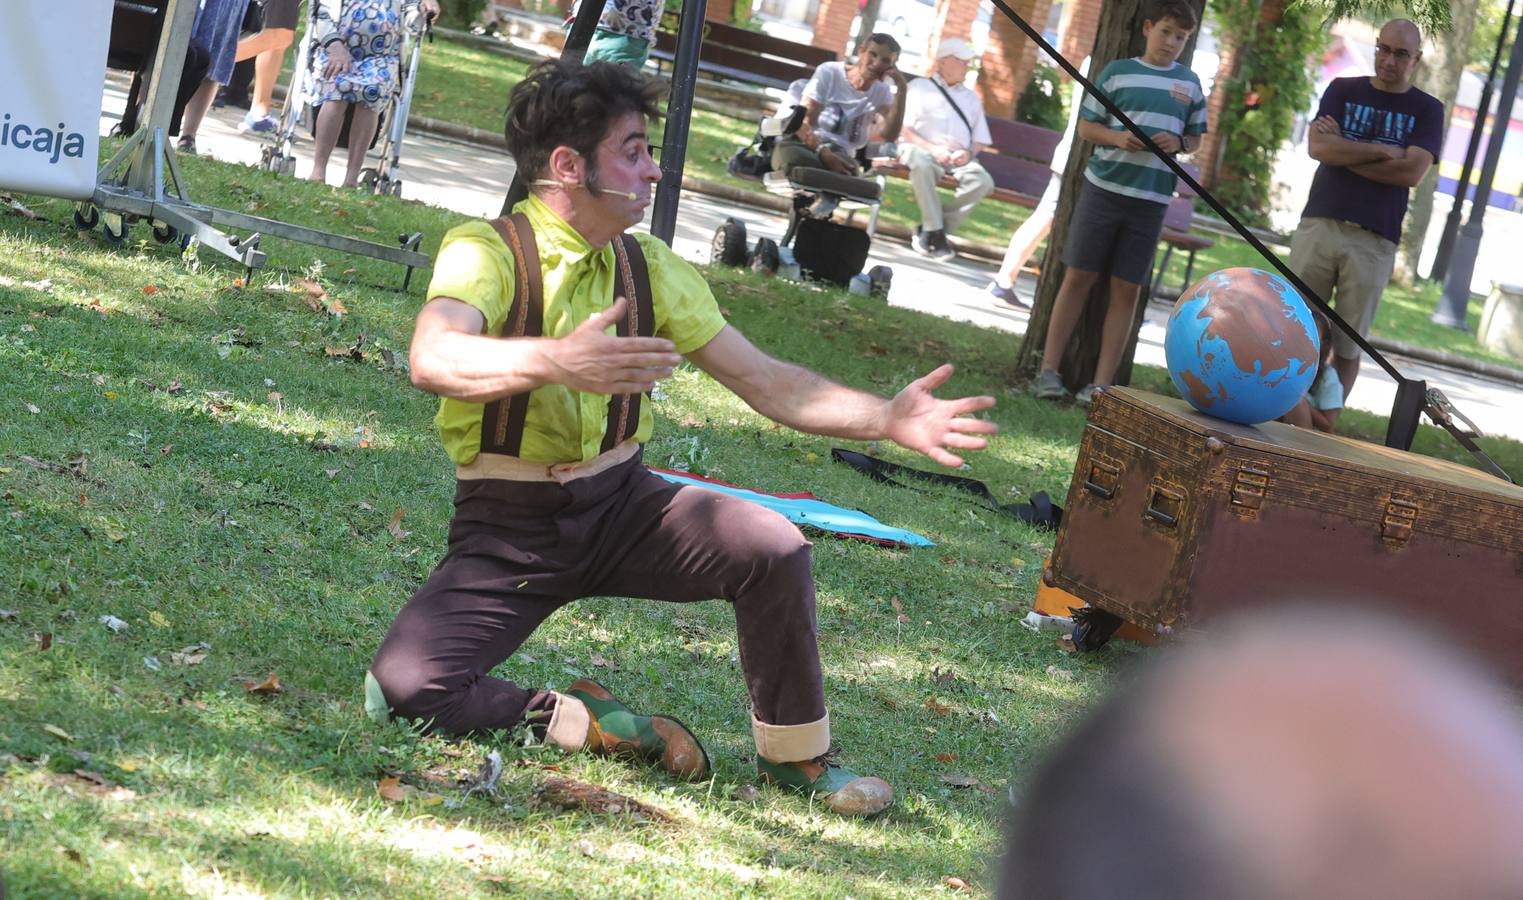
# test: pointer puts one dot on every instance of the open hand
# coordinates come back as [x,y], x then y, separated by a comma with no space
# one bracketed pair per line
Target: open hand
[339,60]
[926,424]
[591,361]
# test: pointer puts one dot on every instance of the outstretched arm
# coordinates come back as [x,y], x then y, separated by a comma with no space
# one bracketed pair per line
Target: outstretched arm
[794,396]
[452,358]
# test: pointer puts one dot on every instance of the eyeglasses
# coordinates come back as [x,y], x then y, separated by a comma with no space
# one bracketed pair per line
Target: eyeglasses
[1401,54]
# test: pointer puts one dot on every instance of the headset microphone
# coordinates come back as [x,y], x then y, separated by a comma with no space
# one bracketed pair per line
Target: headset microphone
[545,182]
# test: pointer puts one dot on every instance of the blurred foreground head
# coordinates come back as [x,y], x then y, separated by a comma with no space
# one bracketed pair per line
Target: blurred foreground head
[1283,756]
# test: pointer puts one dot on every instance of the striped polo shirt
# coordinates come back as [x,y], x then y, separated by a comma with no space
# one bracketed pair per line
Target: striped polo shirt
[1160,100]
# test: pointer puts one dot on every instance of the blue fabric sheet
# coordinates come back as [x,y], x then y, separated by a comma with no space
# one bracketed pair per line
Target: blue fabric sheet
[804,509]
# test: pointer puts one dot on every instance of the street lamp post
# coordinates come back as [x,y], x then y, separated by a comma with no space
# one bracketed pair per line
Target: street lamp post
[1452,308]
[1462,188]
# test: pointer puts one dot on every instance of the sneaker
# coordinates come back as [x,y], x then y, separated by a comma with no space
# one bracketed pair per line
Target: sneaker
[1049,386]
[921,242]
[661,740]
[186,145]
[841,789]
[1007,296]
[265,124]
[940,249]
[1086,395]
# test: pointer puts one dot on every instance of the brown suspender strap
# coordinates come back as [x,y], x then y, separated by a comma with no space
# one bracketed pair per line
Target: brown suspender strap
[502,421]
[632,280]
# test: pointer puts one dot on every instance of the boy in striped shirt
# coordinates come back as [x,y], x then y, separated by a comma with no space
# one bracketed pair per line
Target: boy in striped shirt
[1126,191]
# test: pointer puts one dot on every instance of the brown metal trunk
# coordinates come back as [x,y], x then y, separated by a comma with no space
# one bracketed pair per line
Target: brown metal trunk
[1174,516]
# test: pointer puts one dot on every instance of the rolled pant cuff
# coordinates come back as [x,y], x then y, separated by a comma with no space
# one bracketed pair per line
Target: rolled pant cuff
[791,743]
[569,724]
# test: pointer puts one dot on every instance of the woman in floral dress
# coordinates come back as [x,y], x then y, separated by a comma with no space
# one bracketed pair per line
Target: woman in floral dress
[359,62]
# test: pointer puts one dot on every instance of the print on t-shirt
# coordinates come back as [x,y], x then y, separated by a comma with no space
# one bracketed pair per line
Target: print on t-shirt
[1379,126]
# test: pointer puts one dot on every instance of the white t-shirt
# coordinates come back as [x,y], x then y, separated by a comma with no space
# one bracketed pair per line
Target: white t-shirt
[927,112]
[846,112]
[1075,100]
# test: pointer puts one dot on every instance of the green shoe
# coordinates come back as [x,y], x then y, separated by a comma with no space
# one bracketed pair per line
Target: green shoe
[843,790]
[657,739]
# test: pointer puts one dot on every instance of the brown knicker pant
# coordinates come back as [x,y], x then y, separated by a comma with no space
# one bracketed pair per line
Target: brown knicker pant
[519,551]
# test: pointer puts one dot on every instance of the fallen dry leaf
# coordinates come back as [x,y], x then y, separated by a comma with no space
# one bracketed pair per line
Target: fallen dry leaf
[959,780]
[43,640]
[899,610]
[271,685]
[936,706]
[150,289]
[602,663]
[392,789]
[947,757]
[57,732]
[955,883]
[194,655]
[158,619]
[395,525]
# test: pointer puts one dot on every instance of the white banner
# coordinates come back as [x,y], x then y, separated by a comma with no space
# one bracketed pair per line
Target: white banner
[52,76]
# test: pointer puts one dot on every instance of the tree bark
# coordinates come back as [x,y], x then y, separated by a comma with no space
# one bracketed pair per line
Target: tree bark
[1119,36]
[865,31]
[1439,75]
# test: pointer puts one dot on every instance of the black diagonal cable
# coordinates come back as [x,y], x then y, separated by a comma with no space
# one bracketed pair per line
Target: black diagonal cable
[1204,194]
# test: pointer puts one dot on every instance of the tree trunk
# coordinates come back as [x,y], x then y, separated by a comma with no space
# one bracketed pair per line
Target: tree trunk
[1119,36]
[869,19]
[1439,75]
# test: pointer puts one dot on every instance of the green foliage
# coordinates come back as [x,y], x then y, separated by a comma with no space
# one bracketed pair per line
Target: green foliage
[1044,102]
[1430,15]
[460,13]
[1274,82]
[1488,26]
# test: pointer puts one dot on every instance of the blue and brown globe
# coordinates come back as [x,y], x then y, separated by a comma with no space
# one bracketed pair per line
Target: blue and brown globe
[1242,346]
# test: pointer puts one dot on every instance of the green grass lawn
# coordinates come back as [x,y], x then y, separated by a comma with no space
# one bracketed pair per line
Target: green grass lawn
[243,476]
[216,466]
[469,86]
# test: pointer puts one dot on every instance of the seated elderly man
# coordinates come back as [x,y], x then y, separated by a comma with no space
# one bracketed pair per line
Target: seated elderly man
[944,131]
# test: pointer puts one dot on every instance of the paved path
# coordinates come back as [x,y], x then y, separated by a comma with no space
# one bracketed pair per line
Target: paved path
[471,180]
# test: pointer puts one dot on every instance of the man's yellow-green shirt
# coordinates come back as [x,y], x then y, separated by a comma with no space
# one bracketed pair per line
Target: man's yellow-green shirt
[563,425]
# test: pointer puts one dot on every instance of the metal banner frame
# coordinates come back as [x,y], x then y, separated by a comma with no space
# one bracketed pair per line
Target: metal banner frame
[132,185]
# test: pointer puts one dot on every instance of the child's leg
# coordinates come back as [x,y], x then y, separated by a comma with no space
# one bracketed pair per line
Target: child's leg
[1117,328]
[1299,415]
[1077,283]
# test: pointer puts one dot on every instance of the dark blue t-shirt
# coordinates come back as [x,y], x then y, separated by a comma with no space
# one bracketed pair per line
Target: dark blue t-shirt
[1365,113]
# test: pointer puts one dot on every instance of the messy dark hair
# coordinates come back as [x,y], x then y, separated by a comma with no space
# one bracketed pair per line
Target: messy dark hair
[883,39]
[563,103]
[1177,10]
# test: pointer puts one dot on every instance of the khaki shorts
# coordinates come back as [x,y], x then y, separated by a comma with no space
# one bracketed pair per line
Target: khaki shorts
[1332,253]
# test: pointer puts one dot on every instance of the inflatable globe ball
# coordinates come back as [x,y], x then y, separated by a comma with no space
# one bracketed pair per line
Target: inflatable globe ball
[1242,346]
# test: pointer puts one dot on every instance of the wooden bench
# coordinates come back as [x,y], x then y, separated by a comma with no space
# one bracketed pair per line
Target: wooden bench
[1019,159]
[742,55]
